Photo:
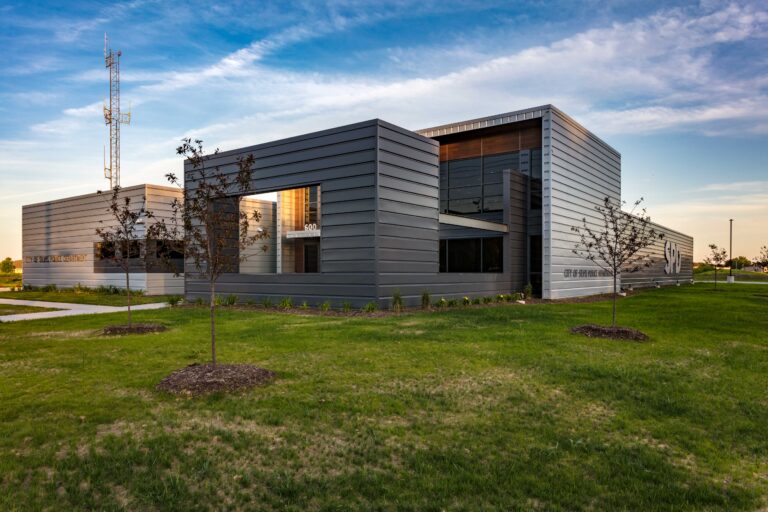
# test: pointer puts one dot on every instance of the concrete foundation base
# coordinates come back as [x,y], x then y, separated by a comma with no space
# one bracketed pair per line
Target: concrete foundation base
[730,279]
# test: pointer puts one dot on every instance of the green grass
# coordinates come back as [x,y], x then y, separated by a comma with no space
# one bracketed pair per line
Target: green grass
[490,408]
[11,309]
[741,275]
[88,297]
[9,280]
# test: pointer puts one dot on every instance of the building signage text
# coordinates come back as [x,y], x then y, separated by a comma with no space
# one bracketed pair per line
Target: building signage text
[56,258]
[584,273]
[673,258]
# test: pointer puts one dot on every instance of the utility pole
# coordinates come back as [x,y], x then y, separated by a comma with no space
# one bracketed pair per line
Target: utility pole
[730,255]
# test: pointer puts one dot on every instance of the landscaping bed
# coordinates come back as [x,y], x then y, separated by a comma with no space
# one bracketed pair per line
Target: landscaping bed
[616,332]
[141,328]
[202,379]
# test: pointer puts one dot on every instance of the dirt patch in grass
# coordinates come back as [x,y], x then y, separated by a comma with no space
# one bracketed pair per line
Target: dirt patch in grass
[120,330]
[613,333]
[201,379]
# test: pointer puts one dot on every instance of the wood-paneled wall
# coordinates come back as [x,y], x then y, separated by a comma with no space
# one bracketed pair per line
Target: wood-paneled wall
[491,141]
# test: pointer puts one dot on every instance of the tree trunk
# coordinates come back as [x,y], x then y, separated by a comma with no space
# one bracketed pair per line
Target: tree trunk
[128,291]
[213,322]
[613,321]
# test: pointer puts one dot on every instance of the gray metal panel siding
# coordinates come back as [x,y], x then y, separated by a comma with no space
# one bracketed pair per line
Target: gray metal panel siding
[656,274]
[407,216]
[68,227]
[579,170]
[408,226]
[343,161]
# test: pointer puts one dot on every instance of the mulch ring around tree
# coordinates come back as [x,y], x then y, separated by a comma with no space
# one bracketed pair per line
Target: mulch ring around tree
[200,379]
[613,333]
[120,330]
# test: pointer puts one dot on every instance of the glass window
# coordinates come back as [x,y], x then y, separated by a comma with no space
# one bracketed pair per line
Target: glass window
[464,173]
[536,170]
[472,255]
[493,203]
[443,256]
[492,252]
[464,255]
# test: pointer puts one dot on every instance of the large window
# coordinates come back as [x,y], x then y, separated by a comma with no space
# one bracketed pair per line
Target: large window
[474,185]
[472,255]
[536,171]
[290,222]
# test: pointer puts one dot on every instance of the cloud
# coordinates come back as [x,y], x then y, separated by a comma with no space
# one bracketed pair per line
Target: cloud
[737,186]
[657,73]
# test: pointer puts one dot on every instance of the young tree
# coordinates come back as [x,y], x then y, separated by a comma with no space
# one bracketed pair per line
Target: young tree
[120,240]
[717,258]
[7,266]
[216,229]
[615,246]
[762,258]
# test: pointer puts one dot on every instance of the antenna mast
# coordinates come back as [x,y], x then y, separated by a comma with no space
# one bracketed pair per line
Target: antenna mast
[112,115]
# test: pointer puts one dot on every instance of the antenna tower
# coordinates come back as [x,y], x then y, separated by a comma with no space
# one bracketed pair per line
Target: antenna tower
[112,115]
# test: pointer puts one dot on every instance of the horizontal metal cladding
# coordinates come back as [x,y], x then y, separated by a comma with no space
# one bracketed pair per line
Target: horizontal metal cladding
[58,239]
[579,171]
[662,270]
[407,200]
[343,162]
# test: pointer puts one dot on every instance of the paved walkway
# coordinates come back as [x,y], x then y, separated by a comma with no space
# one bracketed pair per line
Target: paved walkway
[67,309]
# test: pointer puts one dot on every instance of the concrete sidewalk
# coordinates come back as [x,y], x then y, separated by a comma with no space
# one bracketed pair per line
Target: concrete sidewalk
[67,309]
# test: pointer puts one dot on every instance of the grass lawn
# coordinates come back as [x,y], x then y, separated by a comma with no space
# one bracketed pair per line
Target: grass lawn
[9,280]
[491,408]
[741,275]
[72,297]
[10,309]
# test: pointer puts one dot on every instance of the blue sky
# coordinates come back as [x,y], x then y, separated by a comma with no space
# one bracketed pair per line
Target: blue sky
[679,88]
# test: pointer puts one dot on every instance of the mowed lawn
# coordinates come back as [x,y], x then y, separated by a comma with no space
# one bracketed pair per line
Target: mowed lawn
[479,408]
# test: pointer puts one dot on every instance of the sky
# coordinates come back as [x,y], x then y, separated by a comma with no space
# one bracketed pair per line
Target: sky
[679,88]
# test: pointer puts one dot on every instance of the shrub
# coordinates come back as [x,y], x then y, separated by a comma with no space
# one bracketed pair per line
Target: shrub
[304,306]
[397,301]
[466,301]
[199,301]
[49,288]
[426,300]
[442,303]
[370,307]
[487,299]
[346,306]
[230,300]
[286,303]
[250,302]
[528,291]
[325,306]
[81,289]
[453,303]
[218,300]
[500,298]
[174,300]
[29,288]
[266,302]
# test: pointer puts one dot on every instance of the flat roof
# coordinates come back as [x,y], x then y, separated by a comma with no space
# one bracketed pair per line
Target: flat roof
[502,119]
[130,188]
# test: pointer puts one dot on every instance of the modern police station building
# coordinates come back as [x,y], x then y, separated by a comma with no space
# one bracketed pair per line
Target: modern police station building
[474,208]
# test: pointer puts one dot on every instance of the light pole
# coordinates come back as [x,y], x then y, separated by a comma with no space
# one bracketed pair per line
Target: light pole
[730,255]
